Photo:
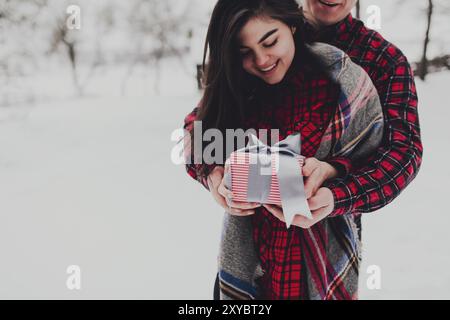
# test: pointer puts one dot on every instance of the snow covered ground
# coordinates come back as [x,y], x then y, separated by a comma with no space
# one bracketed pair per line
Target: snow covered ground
[90,182]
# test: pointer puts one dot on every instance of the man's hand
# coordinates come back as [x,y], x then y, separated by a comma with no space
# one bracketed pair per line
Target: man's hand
[316,172]
[321,205]
[223,196]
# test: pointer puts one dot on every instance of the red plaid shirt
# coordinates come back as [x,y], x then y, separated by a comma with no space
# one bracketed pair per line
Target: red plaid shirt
[307,104]
[379,180]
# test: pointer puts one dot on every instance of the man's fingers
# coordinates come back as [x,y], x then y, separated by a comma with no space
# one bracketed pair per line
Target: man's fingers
[217,174]
[320,213]
[224,191]
[312,184]
[299,221]
[236,208]
[308,188]
[316,202]
[275,211]
[228,195]
[243,205]
[221,200]
[309,166]
[215,178]
[234,211]
[223,196]
[239,212]
[272,207]
[304,222]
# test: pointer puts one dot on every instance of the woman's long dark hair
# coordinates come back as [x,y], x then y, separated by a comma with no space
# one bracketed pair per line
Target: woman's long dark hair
[227,87]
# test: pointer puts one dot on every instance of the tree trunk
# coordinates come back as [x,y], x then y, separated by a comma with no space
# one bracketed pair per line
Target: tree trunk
[72,57]
[358,9]
[423,70]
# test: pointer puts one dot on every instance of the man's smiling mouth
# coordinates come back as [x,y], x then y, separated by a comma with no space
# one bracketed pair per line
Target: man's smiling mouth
[328,3]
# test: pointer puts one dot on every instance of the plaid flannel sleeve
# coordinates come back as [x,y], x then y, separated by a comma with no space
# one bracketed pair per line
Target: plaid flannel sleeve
[341,164]
[192,168]
[395,163]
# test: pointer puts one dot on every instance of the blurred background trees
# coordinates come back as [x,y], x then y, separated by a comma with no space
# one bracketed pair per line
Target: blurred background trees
[158,30]
[121,40]
[433,12]
[19,23]
[136,35]
[441,62]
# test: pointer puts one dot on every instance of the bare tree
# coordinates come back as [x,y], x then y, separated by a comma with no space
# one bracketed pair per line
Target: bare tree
[423,69]
[358,9]
[68,41]
[435,9]
[158,32]
[61,36]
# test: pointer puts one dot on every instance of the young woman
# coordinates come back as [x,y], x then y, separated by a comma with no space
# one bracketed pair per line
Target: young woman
[261,74]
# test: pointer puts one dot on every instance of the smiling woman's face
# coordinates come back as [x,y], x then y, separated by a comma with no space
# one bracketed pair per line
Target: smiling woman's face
[267,48]
[327,12]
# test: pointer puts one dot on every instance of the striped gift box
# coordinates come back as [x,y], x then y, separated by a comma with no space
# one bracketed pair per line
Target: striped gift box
[239,163]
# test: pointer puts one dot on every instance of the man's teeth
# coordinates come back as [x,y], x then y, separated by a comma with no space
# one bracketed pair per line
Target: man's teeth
[328,3]
[269,68]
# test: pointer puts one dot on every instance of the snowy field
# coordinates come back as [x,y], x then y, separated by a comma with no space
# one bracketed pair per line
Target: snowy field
[90,182]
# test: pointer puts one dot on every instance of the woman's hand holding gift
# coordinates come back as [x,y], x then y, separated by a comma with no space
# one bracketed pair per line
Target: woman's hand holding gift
[320,199]
[316,173]
[321,205]
[223,196]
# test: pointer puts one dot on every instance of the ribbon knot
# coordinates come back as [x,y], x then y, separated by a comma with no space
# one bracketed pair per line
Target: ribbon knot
[290,178]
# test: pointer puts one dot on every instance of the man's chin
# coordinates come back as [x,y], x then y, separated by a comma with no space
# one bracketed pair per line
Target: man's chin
[327,21]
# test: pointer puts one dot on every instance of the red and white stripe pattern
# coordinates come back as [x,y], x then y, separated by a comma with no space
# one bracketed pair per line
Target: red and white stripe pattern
[239,168]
